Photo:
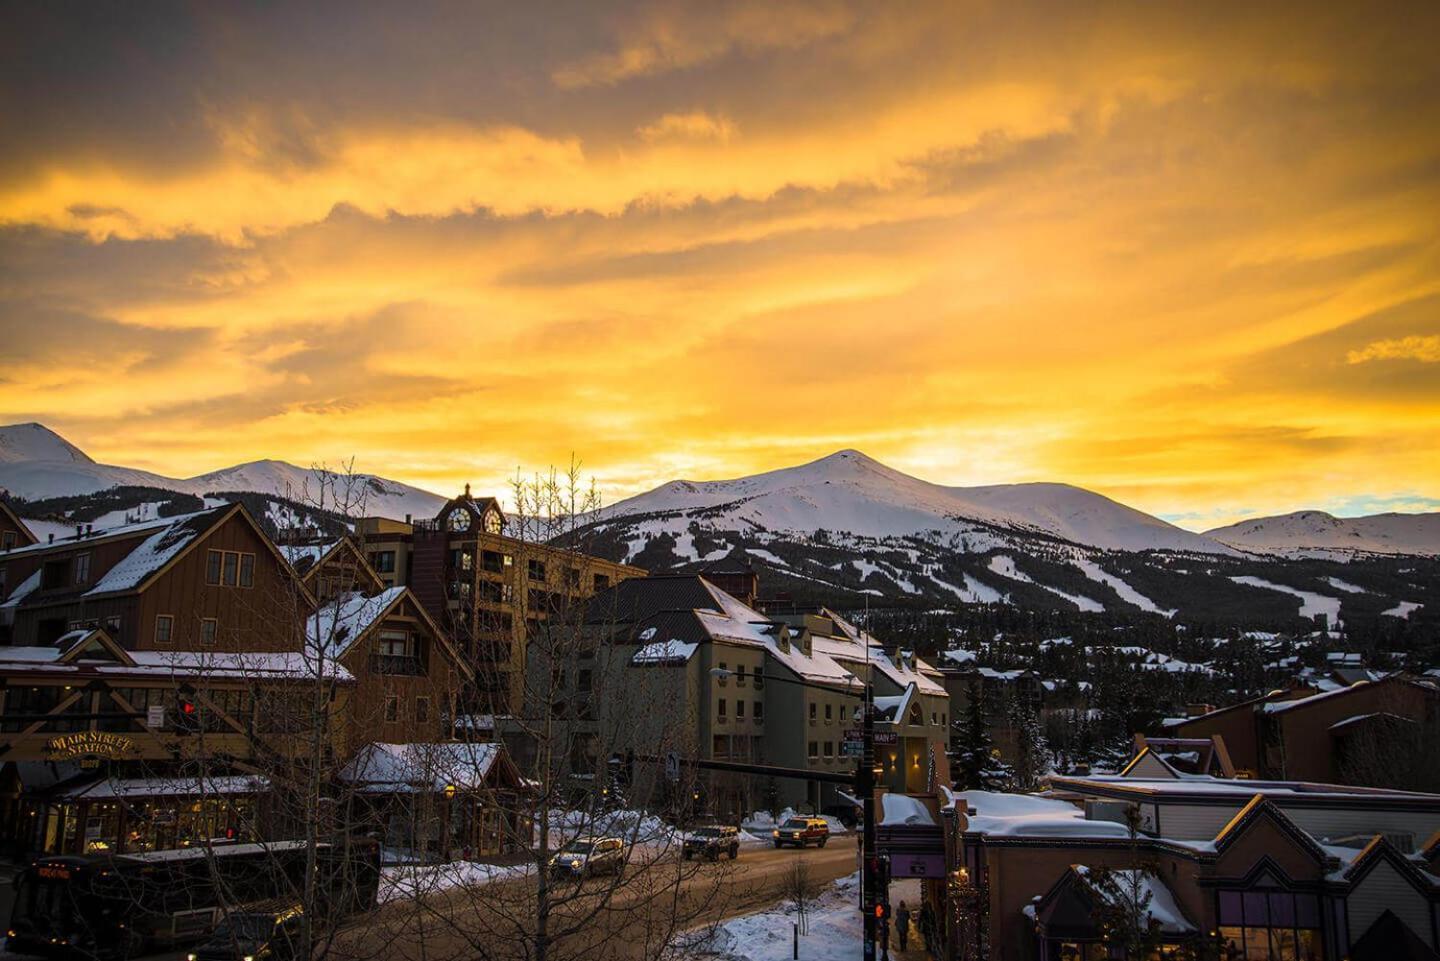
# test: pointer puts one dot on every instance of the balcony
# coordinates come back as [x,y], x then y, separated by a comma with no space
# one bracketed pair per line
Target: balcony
[401,665]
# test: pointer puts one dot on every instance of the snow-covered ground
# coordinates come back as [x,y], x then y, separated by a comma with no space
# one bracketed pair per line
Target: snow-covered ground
[407,881]
[834,927]
[1093,571]
[1310,603]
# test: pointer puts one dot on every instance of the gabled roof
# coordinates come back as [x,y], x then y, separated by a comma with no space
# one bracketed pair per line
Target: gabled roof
[381,768]
[1069,908]
[1390,939]
[1380,850]
[1146,761]
[1259,809]
[343,621]
[27,536]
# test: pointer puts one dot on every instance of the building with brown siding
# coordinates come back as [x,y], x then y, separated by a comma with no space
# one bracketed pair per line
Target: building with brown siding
[13,532]
[1233,869]
[487,589]
[1362,734]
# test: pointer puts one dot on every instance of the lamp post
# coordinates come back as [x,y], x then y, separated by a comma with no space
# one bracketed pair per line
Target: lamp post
[865,772]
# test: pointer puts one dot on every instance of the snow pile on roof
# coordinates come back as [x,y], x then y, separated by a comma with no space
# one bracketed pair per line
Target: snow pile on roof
[1026,815]
[665,652]
[340,622]
[155,551]
[904,809]
[402,768]
[1162,905]
[908,669]
[302,557]
[22,590]
[960,656]
[251,664]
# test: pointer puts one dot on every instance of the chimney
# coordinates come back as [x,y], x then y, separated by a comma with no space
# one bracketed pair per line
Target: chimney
[79,531]
[52,538]
[407,519]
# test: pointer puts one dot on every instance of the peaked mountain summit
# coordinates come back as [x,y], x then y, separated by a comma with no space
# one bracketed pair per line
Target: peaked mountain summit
[36,463]
[1316,533]
[851,492]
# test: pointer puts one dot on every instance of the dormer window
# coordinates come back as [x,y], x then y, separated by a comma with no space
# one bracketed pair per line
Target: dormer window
[82,569]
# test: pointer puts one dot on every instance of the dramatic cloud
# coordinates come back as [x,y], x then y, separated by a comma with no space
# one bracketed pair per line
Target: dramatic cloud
[1188,258]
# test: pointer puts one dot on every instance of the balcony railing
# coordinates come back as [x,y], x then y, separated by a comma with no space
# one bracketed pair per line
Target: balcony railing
[404,665]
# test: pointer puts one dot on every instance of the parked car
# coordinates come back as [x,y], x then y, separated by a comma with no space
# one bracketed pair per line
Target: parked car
[588,857]
[271,933]
[801,832]
[711,843]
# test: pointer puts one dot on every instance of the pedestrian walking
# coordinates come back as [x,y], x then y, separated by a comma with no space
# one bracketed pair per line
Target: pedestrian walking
[927,927]
[902,925]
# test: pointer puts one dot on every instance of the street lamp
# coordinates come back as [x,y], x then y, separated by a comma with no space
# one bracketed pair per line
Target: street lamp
[866,771]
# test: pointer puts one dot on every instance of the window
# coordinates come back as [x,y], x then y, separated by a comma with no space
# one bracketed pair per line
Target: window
[813,710]
[232,567]
[164,626]
[422,710]
[112,626]
[739,675]
[759,678]
[829,750]
[572,576]
[1261,925]
[759,711]
[739,710]
[229,568]
[813,751]
[55,574]
[934,717]
[602,581]
[383,562]
[395,643]
[829,713]
[392,707]
[2,582]
[82,569]
[535,569]
[723,678]
[720,708]
[496,592]
[7,540]
[584,681]
[495,562]
[208,627]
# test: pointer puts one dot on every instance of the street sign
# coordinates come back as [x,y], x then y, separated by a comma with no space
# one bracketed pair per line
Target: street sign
[885,737]
[854,734]
[852,748]
[155,715]
[672,766]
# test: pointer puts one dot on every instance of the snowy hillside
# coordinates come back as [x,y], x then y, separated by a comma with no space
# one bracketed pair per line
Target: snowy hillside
[36,463]
[1316,534]
[851,492]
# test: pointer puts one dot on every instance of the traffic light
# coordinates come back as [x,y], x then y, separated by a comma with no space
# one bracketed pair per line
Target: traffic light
[882,910]
[187,714]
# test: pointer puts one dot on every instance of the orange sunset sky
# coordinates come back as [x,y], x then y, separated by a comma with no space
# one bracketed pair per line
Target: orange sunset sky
[1186,255]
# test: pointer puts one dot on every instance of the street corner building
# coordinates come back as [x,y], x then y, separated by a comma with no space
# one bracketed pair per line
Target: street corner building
[162,681]
[1162,861]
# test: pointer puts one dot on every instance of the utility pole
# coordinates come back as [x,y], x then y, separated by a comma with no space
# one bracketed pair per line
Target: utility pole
[865,784]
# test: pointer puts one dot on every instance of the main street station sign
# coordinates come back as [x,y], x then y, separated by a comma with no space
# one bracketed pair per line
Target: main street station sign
[89,747]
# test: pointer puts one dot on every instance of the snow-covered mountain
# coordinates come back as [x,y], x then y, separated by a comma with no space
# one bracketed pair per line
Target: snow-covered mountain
[850,492]
[847,526]
[37,463]
[1316,534]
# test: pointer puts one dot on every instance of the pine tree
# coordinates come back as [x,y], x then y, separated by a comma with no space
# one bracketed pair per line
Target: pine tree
[977,762]
[1032,759]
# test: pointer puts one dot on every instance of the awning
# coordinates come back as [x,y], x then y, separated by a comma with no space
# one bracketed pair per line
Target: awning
[113,788]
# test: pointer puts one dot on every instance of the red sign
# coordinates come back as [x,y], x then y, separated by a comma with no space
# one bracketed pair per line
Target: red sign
[56,872]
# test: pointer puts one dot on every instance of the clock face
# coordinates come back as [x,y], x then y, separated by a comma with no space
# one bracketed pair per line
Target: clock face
[493,523]
[459,519]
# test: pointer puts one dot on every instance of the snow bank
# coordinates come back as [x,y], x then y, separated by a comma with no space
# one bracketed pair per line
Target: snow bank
[763,822]
[834,931]
[412,882]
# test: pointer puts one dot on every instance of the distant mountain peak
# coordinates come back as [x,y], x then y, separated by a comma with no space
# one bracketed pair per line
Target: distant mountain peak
[36,442]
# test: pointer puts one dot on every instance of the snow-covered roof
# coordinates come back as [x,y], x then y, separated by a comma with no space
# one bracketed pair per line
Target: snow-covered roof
[392,768]
[22,590]
[343,620]
[1025,815]
[903,809]
[214,664]
[111,533]
[168,787]
[155,551]
[905,671]
[960,656]
[665,652]
[303,557]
